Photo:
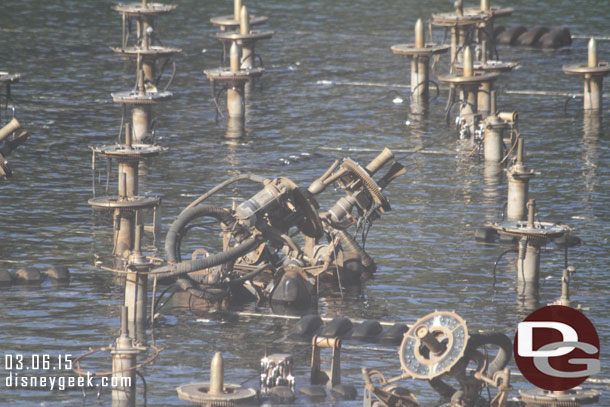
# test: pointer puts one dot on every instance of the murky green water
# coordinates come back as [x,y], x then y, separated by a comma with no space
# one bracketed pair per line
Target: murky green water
[426,255]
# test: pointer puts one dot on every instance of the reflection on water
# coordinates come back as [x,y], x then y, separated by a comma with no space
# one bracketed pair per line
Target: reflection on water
[426,255]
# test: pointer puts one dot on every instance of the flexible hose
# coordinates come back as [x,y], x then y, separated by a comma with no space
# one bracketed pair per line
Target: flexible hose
[189,266]
[351,245]
[505,349]
[213,294]
[176,231]
[250,177]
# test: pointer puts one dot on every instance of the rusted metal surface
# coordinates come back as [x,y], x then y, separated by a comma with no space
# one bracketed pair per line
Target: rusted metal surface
[135,97]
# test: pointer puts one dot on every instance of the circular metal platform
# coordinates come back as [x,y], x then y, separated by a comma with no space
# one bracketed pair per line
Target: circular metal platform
[135,151]
[476,79]
[493,11]
[154,51]
[569,398]
[253,35]
[603,68]
[541,230]
[233,394]
[150,9]
[411,49]
[131,202]
[135,97]
[452,19]
[225,74]
[420,363]
[491,66]
[6,77]
[230,22]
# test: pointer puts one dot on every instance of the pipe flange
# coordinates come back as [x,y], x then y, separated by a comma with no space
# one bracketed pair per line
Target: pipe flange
[138,98]
[449,329]
[253,35]
[602,69]
[230,22]
[369,183]
[490,66]
[568,398]
[125,152]
[427,50]
[152,51]
[233,394]
[149,9]
[541,230]
[128,203]
[5,77]
[225,74]
[476,79]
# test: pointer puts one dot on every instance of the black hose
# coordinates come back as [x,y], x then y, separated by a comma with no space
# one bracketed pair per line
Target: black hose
[505,349]
[176,231]
[224,184]
[351,245]
[213,294]
[189,266]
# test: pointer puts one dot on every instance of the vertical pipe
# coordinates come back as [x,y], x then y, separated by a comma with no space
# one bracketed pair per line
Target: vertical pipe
[217,374]
[235,92]
[123,361]
[237,9]
[492,101]
[468,62]
[484,5]
[247,47]
[140,119]
[531,211]
[592,53]
[136,295]
[484,98]
[528,264]
[461,41]
[454,47]
[420,34]
[124,238]
[492,142]
[517,196]
[593,83]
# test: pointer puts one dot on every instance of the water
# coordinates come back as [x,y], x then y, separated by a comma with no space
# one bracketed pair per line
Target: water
[427,258]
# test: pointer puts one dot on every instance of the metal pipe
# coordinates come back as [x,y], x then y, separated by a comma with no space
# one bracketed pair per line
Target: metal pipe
[520,151]
[379,161]
[136,296]
[592,51]
[237,9]
[492,139]
[235,92]
[531,210]
[528,264]
[247,47]
[517,196]
[217,375]
[484,98]
[123,363]
[11,127]
[429,340]
[594,84]
[140,115]
[484,5]
[420,34]
[468,62]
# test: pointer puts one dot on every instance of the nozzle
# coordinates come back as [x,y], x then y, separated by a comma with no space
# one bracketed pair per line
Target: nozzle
[244,21]
[468,62]
[420,34]
[592,48]
[234,57]
[379,161]
[217,374]
[9,129]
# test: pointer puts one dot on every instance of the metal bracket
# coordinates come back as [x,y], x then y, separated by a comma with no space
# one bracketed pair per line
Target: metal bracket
[319,376]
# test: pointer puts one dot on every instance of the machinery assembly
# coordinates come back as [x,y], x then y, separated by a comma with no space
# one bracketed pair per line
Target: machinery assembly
[270,285]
